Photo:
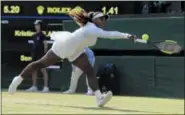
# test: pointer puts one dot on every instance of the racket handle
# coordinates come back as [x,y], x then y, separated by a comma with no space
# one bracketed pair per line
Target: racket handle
[141,41]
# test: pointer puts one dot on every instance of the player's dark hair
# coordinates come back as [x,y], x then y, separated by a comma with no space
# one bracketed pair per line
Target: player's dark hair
[80,16]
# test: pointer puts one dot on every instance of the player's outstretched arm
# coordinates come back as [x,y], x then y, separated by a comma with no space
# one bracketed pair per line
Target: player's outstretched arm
[98,32]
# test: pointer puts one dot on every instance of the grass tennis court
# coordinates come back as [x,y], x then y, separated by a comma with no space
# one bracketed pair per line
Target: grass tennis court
[57,103]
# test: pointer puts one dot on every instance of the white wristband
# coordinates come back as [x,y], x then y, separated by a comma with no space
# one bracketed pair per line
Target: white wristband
[126,35]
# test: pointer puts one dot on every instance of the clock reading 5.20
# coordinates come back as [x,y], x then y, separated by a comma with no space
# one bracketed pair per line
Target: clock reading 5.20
[110,11]
[14,9]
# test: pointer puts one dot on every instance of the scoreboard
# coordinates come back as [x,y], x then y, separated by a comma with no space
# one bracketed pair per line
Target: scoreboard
[18,16]
[60,8]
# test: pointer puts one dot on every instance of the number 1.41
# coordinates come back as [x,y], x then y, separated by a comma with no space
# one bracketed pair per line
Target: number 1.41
[112,10]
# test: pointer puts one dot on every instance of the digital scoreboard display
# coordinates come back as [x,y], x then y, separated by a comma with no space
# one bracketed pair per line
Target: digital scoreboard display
[58,8]
[17,17]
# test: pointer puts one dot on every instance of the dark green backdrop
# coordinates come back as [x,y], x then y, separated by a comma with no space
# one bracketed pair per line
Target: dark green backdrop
[140,75]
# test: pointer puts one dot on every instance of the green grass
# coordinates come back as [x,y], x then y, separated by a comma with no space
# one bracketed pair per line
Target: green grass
[57,103]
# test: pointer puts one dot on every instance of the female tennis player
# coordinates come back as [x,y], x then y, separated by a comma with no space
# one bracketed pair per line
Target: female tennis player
[77,72]
[71,46]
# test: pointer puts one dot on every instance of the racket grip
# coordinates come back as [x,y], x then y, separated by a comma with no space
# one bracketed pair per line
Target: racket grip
[141,41]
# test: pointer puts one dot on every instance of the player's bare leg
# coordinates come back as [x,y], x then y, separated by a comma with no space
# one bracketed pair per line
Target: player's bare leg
[83,63]
[48,59]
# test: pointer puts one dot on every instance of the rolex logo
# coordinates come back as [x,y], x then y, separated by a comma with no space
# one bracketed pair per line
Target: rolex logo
[40,10]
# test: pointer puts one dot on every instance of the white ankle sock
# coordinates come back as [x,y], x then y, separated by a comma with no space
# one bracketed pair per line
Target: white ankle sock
[19,80]
[98,94]
[19,77]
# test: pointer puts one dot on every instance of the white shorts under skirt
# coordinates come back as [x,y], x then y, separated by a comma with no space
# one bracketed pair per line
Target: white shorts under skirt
[64,48]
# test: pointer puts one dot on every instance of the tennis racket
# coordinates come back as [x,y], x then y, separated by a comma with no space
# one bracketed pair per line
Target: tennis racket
[165,46]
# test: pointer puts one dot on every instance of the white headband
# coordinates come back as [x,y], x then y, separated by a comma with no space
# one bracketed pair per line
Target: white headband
[98,15]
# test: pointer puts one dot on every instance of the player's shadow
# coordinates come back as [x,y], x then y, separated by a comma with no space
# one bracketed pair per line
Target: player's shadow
[94,108]
[109,109]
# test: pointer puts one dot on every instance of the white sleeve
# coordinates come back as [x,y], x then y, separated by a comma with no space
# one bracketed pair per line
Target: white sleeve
[108,34]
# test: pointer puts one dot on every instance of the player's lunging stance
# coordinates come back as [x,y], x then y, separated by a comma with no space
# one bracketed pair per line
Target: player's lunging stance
[71,46]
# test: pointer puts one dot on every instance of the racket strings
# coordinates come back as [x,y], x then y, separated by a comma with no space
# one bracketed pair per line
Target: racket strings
[169,47]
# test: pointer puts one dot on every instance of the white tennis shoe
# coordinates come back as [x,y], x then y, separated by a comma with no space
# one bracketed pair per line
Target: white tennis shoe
[90,92]
[32,89]
[105,99]
[15,83]
[45,89]
[68,92]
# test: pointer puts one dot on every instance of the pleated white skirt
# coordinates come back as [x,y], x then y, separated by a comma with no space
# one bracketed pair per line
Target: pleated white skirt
[64,46]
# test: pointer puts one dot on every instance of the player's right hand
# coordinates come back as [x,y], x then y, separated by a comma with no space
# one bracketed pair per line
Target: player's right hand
[132,37]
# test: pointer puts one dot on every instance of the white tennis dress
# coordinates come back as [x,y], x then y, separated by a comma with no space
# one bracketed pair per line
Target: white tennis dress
[71,45]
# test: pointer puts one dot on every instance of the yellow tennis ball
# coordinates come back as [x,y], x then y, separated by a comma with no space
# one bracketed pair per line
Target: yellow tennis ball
[145,37]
